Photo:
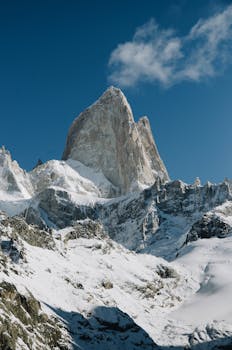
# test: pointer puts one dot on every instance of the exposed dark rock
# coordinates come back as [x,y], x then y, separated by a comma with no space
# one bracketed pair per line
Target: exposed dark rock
[61,210]
[31,234]
[29,324]
[166,272]
[107,284]
[209,226]
[136,221]
[86,229]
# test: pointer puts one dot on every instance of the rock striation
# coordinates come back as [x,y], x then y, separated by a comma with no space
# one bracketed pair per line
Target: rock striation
[106,138]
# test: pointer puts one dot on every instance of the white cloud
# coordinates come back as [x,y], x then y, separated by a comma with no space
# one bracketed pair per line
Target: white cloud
[162,56]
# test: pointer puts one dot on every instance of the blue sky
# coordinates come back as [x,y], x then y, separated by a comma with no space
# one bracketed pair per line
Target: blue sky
[171,59]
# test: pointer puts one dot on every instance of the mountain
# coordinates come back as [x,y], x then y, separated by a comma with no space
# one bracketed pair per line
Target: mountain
[105,137]
[112,257]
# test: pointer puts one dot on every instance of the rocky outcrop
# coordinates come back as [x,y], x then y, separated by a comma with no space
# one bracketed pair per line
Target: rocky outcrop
[23,325]
[20,230]
[147,221]
[60,209]
[208,226]
[105,137]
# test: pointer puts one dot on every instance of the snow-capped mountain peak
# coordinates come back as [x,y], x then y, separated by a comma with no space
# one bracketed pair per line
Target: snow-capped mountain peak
[105,137]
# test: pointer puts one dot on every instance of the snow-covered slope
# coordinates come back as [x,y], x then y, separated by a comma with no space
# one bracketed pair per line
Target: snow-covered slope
[19,189]
[102,292]
[207,315]
[71,176]
[109,297]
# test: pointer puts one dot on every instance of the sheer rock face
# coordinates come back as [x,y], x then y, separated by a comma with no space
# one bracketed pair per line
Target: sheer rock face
[106,137]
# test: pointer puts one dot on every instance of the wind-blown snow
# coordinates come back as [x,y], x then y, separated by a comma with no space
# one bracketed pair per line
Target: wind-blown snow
[71,176]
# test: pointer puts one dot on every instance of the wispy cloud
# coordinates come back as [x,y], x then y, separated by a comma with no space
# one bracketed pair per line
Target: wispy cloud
[158,55]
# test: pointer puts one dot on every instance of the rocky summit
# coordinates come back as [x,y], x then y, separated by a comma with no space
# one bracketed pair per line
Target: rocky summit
[101,250]
[105,137]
